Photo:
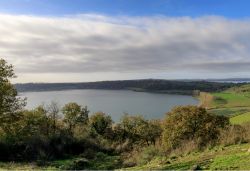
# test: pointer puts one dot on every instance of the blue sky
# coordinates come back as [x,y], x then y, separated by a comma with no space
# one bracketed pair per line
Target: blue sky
[194,8]
[92,40]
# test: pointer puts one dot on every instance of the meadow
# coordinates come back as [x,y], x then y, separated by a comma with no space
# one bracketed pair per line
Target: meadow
[219,158]
[233,102]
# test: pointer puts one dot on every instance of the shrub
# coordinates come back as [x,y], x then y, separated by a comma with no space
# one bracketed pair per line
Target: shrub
[139,130]
[186,123]
[101,123]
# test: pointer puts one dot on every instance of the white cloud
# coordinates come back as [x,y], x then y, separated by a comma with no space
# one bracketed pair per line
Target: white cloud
[103,44]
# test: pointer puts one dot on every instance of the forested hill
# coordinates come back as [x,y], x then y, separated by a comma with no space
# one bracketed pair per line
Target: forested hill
[167,86]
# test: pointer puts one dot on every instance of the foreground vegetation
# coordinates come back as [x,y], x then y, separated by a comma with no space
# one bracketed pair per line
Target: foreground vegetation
[189,137]
[234,157]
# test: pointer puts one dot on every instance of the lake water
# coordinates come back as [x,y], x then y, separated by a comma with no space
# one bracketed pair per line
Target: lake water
[113,102]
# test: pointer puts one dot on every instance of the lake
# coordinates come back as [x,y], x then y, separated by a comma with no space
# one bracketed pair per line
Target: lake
[113,102]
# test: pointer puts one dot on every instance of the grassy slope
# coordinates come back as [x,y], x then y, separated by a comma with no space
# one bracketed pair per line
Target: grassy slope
[222,158]
[101,162]
[232,102]
[240,119]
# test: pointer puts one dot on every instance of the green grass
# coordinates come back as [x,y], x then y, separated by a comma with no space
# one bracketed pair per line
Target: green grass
[23,166]
[231,102]
[228,100]
[100,162]
[230,111]
[221,158]
[240,119]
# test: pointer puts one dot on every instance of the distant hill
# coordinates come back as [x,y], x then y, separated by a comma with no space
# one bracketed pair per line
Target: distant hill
[153,85]
[232,80]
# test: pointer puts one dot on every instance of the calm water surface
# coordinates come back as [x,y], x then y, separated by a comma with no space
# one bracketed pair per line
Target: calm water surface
[113,102]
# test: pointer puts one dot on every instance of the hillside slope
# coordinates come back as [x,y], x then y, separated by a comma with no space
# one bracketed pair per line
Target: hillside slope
[235,157]
[230,102]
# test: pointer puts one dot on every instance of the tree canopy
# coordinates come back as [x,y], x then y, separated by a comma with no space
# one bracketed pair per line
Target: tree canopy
[185,123]
[10,104]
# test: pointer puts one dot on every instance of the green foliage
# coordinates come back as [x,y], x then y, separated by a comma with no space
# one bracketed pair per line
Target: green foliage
[74,114]
[101,123]
[137,129]
[191,123]
[10,105]
[34,123]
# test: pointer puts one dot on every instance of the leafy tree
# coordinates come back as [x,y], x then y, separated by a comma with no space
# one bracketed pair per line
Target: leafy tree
[138,129]
[10,105]
[186,123]
[101,123]
[153,131]
[53,114]
[35,123]
[74,114]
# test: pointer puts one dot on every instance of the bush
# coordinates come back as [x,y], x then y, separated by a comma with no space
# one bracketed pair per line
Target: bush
[191,123]
[139,130]
[101,123]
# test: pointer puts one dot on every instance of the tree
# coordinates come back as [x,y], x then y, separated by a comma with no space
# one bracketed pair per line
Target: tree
[75,114]
[10,105]
[42,111]
[53,114]
[101,123]
[34,123]
[192,123]
[138,129]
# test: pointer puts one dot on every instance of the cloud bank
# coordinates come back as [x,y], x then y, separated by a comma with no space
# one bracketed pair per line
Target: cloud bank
[104,44]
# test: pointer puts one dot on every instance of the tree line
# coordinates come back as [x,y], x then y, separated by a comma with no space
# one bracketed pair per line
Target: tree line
[157,85]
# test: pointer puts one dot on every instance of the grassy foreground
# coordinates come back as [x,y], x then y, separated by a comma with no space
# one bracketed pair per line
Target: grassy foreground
[101,162]
[219,158]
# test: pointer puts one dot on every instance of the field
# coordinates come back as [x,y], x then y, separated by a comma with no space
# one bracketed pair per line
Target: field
[240,119]
[232,103]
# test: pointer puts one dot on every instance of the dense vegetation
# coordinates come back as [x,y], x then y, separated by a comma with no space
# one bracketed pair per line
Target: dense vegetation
[163,86]
[70,138]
